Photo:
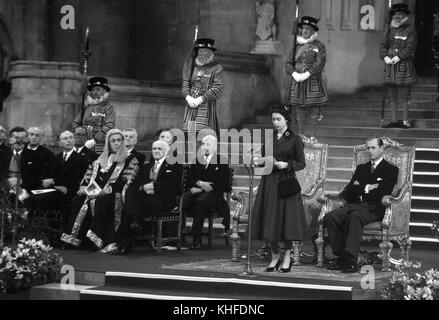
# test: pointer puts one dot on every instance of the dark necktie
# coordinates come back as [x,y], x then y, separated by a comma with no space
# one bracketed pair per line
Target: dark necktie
[372,168]
[206,160]
[156,166]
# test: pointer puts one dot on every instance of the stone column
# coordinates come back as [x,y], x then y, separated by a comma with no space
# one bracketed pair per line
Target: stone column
[44,94]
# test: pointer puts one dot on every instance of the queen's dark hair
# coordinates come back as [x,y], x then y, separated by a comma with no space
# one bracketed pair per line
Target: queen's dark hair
[284,110]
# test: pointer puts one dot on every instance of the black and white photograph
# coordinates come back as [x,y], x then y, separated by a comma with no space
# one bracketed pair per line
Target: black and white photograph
[214,157]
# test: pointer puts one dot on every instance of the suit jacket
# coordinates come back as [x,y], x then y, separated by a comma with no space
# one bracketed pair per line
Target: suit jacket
[89,155]
[385,174]
[167,184]
[69,173]
[218,174]
[35,167]
[5,158]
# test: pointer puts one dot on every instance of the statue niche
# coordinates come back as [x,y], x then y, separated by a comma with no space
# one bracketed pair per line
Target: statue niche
[266,29]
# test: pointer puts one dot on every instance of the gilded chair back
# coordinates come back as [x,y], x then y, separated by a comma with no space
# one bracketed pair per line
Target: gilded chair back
[402,157]
[312,178]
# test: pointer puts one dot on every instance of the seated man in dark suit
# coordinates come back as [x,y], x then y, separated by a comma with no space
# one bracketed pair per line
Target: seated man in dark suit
[81,138]
[131,141]
[66,172]
[154,190]
[369,184]
[43,156]
[24,165]
[207,182]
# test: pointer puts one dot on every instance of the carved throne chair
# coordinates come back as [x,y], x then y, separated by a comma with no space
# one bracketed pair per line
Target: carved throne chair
[396,221]
[311,180]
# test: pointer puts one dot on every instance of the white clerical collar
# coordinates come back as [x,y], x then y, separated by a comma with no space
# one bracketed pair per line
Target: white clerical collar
[33,149]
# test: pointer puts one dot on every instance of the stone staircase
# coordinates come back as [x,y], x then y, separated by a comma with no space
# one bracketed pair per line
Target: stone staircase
[349,120]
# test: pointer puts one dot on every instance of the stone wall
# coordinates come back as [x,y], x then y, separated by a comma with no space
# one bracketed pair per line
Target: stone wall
[44,94]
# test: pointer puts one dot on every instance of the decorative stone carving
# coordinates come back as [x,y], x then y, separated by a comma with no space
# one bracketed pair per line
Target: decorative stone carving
[266,29]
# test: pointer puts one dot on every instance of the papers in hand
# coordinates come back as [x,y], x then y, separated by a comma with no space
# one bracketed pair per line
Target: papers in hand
[93,189]
[40,191]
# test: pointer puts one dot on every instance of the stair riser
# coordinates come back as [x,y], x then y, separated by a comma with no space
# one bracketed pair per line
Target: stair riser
[339,162]
[235,290]
[352,141]
[424,217]
[424,232]
[427,167]
[424,179]
[425,192]
[365,122]
[425,204]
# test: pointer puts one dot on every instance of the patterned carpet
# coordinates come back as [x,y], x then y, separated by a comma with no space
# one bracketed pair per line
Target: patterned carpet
[306,271]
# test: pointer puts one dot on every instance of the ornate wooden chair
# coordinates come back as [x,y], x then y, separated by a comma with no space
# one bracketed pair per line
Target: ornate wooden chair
[175,215]
[215,215]
[395,224]
[311,180]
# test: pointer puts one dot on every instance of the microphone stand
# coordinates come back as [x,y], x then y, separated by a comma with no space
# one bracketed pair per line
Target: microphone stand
[17,194]
[248,267]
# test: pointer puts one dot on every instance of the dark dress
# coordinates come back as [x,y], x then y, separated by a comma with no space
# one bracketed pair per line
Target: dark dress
[274,218]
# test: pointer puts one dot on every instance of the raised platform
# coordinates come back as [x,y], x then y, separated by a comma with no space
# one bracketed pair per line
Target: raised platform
[208,274]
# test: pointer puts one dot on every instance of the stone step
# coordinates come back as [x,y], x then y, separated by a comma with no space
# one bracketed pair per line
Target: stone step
[339,173]
[176,287]
[421,228]
[339,162]
[363,122]
[56,291]
[427,154]
[422,215]
[424,178]
[420,94]
[358,140]
[425,203]
[427,167]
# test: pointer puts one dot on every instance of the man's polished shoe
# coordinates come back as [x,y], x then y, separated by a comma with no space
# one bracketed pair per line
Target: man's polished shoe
[336,264]
[350,268]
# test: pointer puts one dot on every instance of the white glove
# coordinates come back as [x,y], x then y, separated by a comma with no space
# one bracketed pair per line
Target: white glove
[305,75]
[387,60]
[296,76]
[191,101]
[396,59]
[198,101]
[90,144]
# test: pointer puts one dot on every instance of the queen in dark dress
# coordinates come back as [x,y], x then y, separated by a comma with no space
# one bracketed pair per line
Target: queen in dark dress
[280,220]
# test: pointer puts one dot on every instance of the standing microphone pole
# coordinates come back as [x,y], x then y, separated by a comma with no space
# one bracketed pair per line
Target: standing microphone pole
[248,267]
[17,194]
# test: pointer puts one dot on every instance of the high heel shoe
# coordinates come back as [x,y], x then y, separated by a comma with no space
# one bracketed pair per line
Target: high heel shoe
[286,270]
[271,269]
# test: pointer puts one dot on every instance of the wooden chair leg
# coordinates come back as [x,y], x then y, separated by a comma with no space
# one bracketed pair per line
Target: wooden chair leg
[159,235]
[210,232]
[385,247]
[320,247]
[179,236]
